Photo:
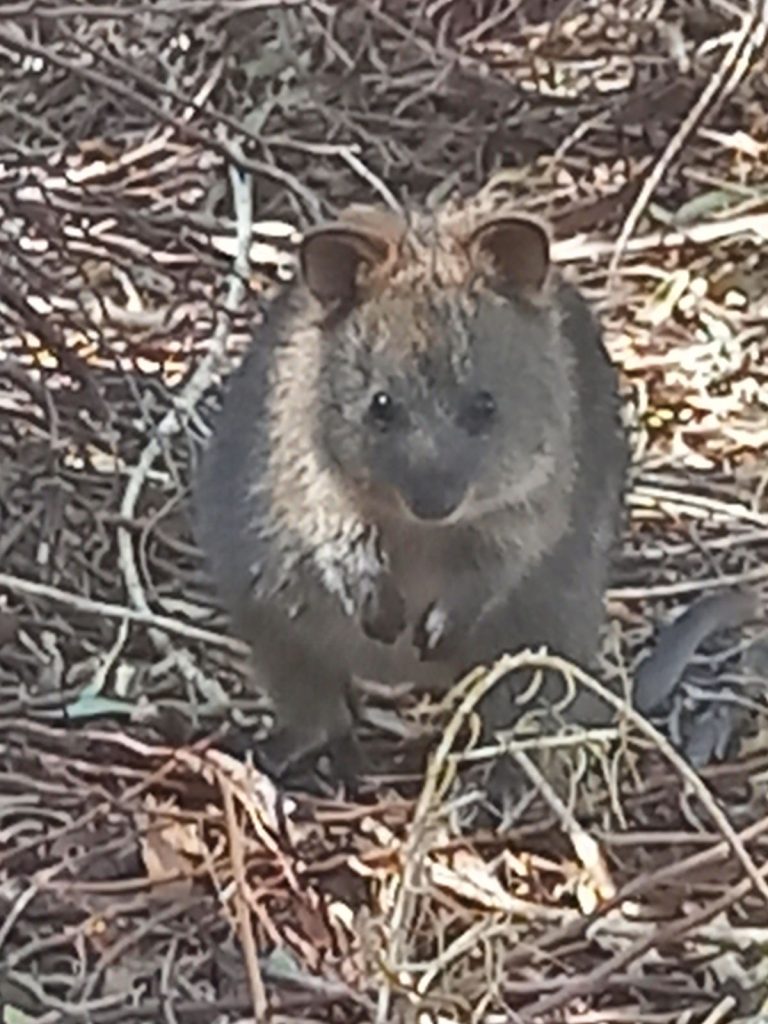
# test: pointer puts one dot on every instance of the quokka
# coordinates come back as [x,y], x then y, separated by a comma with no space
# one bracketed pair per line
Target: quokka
[418,465]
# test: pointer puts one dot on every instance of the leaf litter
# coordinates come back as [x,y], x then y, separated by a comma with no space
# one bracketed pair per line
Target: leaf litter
[147,870]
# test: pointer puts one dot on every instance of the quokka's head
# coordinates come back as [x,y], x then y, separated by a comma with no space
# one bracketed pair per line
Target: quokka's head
[444,389]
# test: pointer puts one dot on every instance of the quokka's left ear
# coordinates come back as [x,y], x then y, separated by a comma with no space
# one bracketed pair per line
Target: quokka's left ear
[512,252]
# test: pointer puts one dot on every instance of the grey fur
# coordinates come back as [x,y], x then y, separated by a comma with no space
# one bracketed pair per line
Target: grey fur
[417,552]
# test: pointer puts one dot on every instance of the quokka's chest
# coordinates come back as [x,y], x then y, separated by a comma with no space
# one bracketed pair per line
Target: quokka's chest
[427,566]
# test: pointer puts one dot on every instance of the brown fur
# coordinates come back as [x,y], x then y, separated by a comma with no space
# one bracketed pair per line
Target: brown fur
[417,551]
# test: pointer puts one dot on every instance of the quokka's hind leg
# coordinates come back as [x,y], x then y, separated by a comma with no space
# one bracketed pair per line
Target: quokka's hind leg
[296,665]
[566,616]
[320,725]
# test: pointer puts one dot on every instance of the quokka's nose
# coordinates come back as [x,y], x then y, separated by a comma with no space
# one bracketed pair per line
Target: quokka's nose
[433,496]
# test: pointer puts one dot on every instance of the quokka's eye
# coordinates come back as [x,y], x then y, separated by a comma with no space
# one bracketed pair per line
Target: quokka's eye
[383,408]
[480,412]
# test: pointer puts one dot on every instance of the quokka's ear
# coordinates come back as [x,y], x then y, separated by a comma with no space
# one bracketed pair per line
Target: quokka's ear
[512,252]
[343,258]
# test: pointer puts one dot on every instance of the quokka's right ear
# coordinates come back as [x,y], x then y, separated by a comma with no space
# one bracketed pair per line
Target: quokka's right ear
[345,258]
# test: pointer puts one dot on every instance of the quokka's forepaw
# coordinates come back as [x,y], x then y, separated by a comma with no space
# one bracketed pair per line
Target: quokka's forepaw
[435,635]
[383,616]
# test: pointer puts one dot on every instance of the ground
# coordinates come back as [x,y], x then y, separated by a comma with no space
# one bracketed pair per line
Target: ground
[148,873]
